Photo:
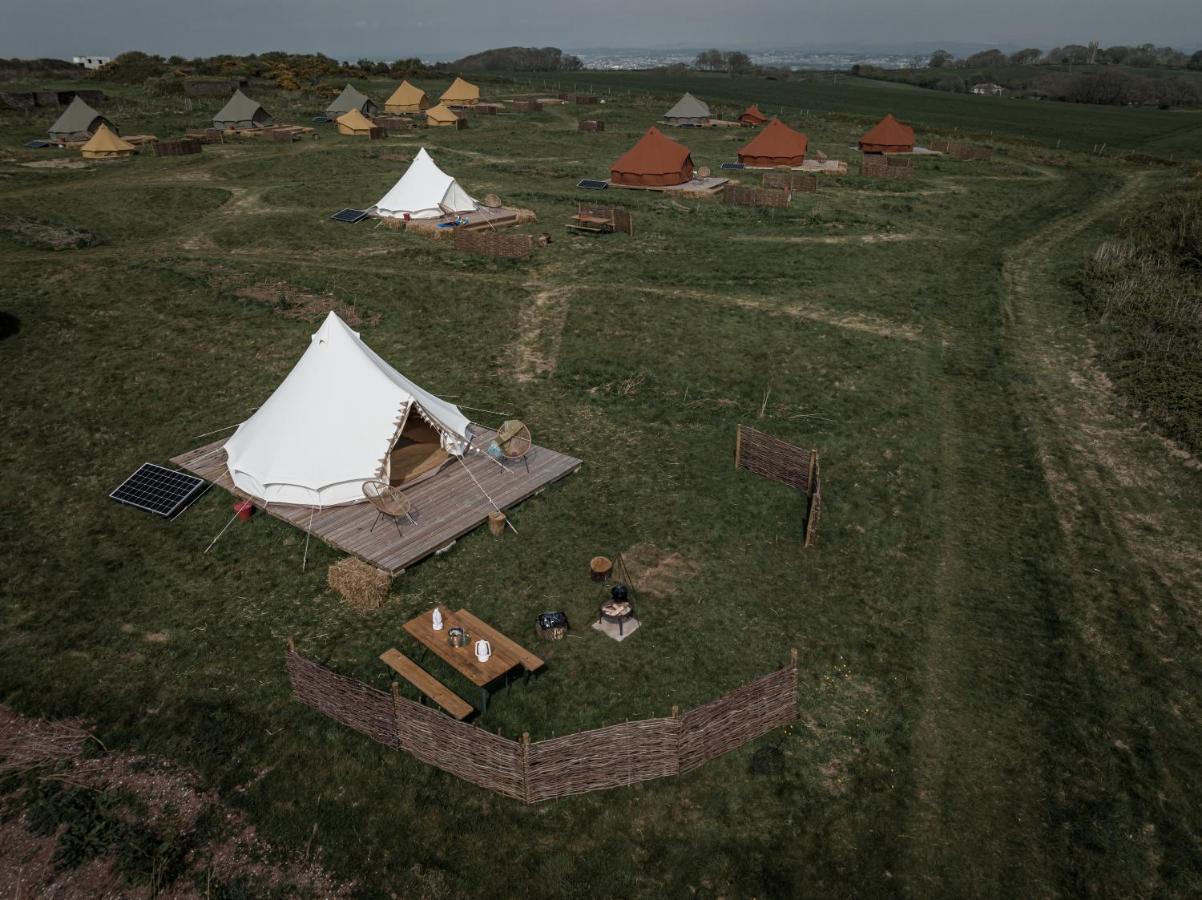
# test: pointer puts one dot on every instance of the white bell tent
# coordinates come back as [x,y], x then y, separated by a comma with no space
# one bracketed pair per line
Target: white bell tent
[336,422]
[424,192]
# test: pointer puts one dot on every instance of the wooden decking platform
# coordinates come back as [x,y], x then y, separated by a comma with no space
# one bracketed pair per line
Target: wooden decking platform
[445,507]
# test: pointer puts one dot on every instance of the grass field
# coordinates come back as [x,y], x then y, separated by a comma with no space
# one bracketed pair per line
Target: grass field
[998,629]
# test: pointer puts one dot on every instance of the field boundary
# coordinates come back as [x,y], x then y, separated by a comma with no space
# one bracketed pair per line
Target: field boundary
[534,772]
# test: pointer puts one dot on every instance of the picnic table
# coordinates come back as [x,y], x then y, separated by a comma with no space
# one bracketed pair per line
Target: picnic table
[591,224]
[507,655]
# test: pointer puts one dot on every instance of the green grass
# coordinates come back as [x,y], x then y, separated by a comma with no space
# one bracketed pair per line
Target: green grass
[964,673]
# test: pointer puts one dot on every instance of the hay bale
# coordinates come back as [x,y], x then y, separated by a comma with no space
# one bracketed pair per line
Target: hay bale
[362,586]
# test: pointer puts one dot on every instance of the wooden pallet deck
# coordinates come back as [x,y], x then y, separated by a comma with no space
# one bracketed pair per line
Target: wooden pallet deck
[445,507]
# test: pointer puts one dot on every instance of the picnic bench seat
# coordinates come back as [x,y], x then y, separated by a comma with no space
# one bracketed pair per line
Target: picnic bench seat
[427,683]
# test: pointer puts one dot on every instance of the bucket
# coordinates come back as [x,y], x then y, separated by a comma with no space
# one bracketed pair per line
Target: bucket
[245,509]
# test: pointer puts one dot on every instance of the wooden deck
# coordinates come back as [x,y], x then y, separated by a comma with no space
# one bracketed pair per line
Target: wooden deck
[445,507]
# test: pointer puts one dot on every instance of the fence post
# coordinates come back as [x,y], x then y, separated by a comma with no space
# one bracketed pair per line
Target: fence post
[679,731]
[396,713]
[810,474]
[526,767]
[738,444]
[793,666]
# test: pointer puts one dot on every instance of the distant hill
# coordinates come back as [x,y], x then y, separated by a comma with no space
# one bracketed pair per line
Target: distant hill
[518,59]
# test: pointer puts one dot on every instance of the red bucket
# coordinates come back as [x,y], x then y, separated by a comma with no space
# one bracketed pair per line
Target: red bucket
[245,509]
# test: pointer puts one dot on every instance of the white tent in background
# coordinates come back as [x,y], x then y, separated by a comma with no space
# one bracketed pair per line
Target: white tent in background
[424,192]
[335,422]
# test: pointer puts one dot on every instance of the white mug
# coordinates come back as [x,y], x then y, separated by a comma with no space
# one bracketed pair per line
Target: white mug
[437,619]
[483,651]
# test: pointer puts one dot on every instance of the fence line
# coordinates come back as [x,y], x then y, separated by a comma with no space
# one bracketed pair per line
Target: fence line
[596,760]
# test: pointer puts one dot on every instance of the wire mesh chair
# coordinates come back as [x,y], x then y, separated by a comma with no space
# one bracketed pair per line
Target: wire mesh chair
[389,501]
[513,437]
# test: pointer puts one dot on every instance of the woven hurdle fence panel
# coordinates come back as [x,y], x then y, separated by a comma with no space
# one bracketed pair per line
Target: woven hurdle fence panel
[740,716]
[940,146]
[395,123]
[527,105]
[745,195]
[773,458]
[585,100]
[204,135]
[886,167]
[595,760]
[605,758]
[345,700]
[590,125]
[506,246]
[473,754]
[180,147]
[619,216]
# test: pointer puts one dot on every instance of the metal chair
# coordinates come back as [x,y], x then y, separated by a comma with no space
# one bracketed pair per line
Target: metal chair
[389,501]
[513,437]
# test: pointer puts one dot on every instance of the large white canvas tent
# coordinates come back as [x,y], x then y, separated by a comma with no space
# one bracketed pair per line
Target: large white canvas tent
[424,192]
[335,422]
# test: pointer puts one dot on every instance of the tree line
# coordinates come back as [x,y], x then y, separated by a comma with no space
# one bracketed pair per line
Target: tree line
[1146,56]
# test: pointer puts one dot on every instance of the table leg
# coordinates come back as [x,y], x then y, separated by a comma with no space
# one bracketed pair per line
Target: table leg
[483,700]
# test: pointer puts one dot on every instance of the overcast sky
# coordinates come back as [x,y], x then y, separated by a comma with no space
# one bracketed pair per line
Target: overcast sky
[389,29]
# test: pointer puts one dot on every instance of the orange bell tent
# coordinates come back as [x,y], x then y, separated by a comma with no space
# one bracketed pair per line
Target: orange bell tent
[776,145]
[752,116]
[888,136]
[655,161]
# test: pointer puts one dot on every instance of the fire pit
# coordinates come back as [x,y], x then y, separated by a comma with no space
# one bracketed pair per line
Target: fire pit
[617,610]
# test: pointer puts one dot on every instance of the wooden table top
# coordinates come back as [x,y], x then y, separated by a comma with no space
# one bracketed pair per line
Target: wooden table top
[506,654]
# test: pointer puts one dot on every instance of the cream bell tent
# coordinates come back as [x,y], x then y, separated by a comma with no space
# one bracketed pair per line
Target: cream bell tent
[407,99]
[440,116]
[106,145]
[343,416]
[424,192]
[461,93]
[354,122]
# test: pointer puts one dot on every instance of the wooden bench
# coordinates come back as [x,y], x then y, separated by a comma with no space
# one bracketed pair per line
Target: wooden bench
[426,683]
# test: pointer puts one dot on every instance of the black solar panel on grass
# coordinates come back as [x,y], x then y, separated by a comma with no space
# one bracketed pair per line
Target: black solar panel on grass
[350,216]
[593,184]
[155,489]
[38,145]
[731,166]
[321,120]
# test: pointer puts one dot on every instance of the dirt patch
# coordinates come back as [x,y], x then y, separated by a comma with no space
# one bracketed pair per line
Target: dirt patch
[167,799]
[541,320]
[289,301]
[156,637]
[657,573]
[886,237]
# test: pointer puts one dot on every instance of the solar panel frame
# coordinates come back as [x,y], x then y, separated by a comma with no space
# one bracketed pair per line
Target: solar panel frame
[592,184]
[159,490]
[732,165]
[350,216]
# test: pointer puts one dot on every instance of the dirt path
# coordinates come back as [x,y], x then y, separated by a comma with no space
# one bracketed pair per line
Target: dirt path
[541,320]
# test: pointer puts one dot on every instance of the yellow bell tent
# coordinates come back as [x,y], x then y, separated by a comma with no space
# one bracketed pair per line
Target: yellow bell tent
[407,99]
[460,93]
[354,123]
[439,116]
[106,145]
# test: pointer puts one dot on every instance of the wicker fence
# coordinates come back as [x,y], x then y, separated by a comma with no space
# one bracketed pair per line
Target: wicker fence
[205,135]
[179,147]
[585,100]
[618,216]
[876,166]
[956,150]
[590,125]
[490,243]
[596,760]
[395,123]
[744,195]
[784,462]
[526,105]
[798,182]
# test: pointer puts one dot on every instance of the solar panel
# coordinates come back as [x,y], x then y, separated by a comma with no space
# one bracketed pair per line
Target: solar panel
[731,166]
[164,492]
[350,216]
[321,120]
[592,184]
[38,145]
